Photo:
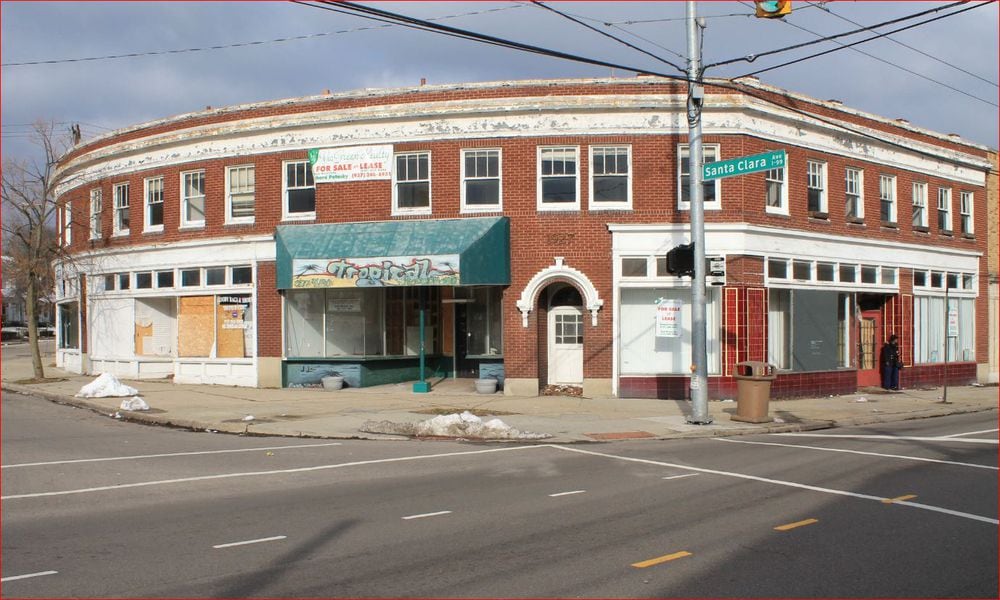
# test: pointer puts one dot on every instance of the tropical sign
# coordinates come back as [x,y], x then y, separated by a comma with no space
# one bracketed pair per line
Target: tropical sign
[357,163]
[378,271]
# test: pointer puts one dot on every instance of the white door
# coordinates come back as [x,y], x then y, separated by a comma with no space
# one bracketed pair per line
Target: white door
[566,345]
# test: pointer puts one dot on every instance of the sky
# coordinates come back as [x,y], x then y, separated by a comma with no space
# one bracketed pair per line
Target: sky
[940,75]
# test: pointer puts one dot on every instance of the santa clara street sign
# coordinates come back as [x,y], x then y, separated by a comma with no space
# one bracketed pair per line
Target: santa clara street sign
[743,165]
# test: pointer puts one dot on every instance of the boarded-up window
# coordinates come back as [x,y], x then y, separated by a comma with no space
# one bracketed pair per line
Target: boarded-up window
[195,324]
[233,326]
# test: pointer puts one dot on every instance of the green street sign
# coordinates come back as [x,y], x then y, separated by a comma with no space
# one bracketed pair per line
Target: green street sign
[743,165]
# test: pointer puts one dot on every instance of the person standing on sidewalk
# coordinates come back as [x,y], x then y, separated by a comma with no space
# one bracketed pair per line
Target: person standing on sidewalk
[891,363]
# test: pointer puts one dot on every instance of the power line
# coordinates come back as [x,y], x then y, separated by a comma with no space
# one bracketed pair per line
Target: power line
[892,64]
[241,44]
[753,57]
[917,50]
[606,34]
[878,36]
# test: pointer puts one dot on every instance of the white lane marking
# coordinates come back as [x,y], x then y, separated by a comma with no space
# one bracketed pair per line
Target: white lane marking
[681,476]
[258,541]
[567,493]
[801,486]
[266,473]
[888,437]
[917,458]
[86,460]
[970,433]
[40,574]
[424,515]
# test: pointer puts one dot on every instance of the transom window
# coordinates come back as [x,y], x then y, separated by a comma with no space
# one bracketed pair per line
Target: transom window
[481,179]
[817,187]
[854,194]
[558,185]
[121,209]
[154,205]
[300,191]
[412,182]
[887,198]
[710,189]
[193,199]
[240,194]
[784,271]
[944,210]
[96,206]
[920,205]
[610,183]
[965,211]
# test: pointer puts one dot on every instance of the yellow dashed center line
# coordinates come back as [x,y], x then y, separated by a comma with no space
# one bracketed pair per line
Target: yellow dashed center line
[796,524]
[662,559]
[899,499]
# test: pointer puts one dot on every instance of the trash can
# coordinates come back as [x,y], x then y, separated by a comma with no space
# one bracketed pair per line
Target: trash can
[753,391]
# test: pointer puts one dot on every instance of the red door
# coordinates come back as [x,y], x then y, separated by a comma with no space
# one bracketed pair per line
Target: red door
[869,348]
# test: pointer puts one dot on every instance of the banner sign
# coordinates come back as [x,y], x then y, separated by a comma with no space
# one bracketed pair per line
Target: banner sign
[668,318]
[358,163]
[380,271]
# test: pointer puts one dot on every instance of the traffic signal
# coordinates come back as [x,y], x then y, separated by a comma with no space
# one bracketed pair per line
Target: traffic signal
[680,260]
[773,9]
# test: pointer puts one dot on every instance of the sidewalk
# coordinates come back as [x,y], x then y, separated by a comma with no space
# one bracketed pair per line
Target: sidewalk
[340,414]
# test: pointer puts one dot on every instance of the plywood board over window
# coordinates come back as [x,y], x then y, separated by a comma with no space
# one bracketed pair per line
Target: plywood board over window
[232,326]
[195,324]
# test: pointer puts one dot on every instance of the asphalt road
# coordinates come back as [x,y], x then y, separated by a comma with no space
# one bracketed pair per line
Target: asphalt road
[94,507]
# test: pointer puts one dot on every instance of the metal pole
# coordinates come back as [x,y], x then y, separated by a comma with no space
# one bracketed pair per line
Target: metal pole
[699,354]
[947,340]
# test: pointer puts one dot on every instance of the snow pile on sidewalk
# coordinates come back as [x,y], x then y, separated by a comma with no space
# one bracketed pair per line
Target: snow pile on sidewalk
[106,386]
[465,425]
[134,403]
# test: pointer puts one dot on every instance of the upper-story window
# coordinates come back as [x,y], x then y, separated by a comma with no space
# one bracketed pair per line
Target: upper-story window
[558,180]
[610,177]
[854,185]
[965,212]
[300,191]
[710,189]
[481,186]
[920,205]
[887,198]
[193,199]
[240,194]
[411,189]
[154,205]
[775,191]
[944,210]
[67,223]
[96,206]
[120,224]
[817,202]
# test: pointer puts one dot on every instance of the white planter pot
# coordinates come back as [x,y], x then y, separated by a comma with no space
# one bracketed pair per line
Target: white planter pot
[486,386]
[333,382]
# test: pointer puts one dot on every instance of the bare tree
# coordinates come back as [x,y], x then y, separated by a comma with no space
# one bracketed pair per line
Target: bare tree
[29,215]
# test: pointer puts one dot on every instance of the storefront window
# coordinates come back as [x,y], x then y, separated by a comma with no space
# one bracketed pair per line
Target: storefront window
[484,322]
[69,325]
[656,338]
[304,323]
[929,330]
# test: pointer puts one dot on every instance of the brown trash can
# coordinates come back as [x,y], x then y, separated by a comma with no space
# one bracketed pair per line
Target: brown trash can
[753,391]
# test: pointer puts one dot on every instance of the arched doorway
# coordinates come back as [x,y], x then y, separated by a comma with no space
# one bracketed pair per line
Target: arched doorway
[565,335]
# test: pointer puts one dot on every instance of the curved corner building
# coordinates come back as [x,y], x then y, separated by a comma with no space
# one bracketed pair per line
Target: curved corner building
[519,230]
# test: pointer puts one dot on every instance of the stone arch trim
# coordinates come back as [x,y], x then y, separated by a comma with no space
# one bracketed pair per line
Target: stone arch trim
[559,272]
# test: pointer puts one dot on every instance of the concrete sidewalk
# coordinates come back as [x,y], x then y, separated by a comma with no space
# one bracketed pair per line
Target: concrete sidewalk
[340,414]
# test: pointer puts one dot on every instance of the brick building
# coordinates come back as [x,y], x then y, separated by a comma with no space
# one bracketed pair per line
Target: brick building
[519,230]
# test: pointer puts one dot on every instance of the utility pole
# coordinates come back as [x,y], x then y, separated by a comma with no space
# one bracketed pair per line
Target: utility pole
[699,351]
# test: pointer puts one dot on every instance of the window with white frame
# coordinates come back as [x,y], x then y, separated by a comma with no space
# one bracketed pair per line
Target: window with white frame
[121,221]
[779,318]
[240,194]
[887,198]
[944,210]
[965,212]
[930,334]
[481,180]
[610,177]
[299,191]
[710,189]
[67,223]
[411,190]
[193,199]
[817,186]
[154,205]
[558,183]
[854,193]
[920,205]
[646,349]
[775,191]
[96,206]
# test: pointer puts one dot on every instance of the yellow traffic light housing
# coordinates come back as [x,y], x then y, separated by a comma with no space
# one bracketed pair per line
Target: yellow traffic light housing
[773,9]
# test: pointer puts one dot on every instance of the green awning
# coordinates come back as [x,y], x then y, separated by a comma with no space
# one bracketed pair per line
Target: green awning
[474,251]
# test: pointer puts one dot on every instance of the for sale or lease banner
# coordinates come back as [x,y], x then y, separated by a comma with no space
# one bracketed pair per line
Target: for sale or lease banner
[357,163]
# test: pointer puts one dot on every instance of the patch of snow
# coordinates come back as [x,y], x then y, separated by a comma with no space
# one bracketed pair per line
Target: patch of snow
[134,403]
[778,420]
[464,425]
[106,386]
[248,418]
[861,399]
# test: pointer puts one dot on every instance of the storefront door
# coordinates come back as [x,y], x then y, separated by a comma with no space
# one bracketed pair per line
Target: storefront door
[463,366]
[565,345]
[869,347]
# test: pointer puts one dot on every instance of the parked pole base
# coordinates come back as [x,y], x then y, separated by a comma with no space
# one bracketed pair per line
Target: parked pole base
[421,387]
[707,421]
